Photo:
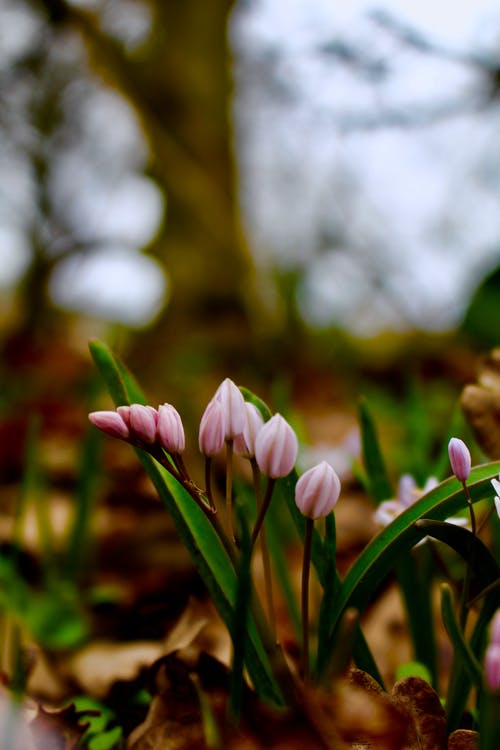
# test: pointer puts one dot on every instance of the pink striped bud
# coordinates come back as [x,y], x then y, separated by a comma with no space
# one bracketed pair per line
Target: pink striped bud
[460,459]
[492,655]
[233,408]
[124,412]
[495,628]
[211,436]
[143,420]
[111,423]
[170,430]
[244,445]
[276,447]
[492,667]
[317,491]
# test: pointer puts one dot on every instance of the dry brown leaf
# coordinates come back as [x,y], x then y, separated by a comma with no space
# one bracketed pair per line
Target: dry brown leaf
[364,716]
[415,698]
[463,739]
[174,719]
[481,404]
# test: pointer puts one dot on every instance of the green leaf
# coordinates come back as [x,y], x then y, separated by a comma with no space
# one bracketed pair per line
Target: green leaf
[257,402]
[240,621]
[380,487]
[330,590]
[486,570]
[106,740]
[78,551]
[382,553]
[196,532]
[460,646]
[417,598]
[413,669]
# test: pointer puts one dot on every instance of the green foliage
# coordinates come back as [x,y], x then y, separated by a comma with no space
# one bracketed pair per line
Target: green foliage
[103,733]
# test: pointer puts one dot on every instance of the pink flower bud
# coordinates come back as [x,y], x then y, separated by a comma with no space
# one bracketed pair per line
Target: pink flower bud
[111,423]
[233,408]
[244,445]
[211,436]
[492,667]
[124,412]
[317,491]
[170,430]
[495,628]
[459,459]
[143,420]
[276,447]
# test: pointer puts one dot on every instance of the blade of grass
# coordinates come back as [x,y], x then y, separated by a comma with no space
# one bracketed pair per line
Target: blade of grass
[486,569]
[460,645]
[240,622]
[330,590]
[78,547]
[378,480]
[417,599]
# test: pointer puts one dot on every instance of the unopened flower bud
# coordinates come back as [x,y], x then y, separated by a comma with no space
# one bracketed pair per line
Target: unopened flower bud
[460,459]
[233,408]
[124,412]
[170,430]
[492,667]
[495,628]
[317,491]
[143,420]
[244,444]
[276,447]
[211,435]
[111,423]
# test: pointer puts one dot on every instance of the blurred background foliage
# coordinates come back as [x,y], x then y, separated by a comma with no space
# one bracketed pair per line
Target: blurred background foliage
[124,210]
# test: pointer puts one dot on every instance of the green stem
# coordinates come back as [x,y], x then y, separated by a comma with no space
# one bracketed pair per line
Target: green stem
[266,562]
[265,505]
[489,736]
[208,481]
[306,568]
[464,602]
[229,488]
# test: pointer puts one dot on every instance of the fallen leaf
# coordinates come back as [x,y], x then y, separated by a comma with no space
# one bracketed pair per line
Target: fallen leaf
[481,405]
[417,699]
[463,739]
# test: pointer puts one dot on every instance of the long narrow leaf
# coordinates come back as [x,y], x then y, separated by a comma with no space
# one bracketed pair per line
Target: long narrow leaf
[417,598]
[378,481]
[460,645]
[486,570]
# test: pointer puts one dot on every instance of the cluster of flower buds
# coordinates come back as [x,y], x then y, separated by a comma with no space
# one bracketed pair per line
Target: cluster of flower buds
[143,425]
[492,656]
[227,418]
